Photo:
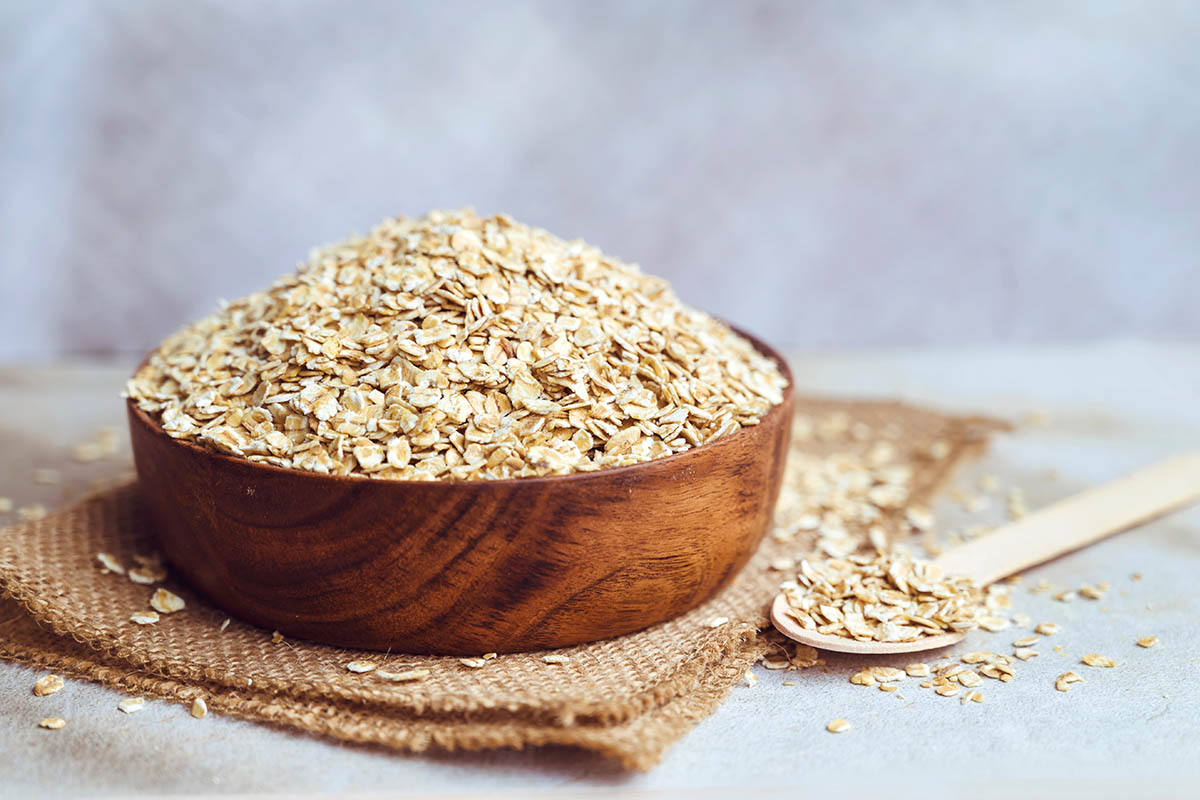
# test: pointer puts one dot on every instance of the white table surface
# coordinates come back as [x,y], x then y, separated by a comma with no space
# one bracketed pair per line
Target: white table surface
[1129,731]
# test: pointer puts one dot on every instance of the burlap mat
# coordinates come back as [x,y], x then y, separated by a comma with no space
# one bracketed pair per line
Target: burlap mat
[629,698]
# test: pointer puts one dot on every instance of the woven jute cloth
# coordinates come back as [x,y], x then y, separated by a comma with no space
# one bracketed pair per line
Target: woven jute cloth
[629,698]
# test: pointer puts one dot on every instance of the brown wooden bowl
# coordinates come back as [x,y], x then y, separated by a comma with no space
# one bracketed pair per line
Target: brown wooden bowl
[463,567]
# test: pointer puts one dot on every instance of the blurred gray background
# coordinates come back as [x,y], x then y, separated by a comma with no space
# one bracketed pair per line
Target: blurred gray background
[824,173]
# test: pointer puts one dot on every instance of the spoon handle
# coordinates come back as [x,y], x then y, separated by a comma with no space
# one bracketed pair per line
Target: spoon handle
[1079,520]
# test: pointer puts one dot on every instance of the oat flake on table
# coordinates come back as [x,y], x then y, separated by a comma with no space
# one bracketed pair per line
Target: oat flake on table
[455,346]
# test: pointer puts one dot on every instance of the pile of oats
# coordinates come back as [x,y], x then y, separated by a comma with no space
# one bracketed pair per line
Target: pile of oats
[843,498]
[881,598]
[457,347]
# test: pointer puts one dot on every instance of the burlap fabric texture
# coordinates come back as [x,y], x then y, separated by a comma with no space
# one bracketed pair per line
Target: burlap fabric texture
[630,698]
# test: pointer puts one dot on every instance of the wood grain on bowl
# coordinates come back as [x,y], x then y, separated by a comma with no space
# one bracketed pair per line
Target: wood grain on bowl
[463,567]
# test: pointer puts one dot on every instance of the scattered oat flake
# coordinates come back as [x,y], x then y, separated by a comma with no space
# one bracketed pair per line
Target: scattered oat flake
[146,576]
[888,687]
[1066,679]
[474,662]
[361,666]
[1137,576]
[994,624]
[109,562]
[132,705]
[805,656]
[52,723]
[968,678]
[1147,641]
[199,708]
[144,617]
[776,661]
[838,725]
[1047,628]
[888,674]
[1065,597]
[556,658]
[224,625]
[166,602]
[917,670]
[972,697]
[947,690]
[1026,641]
[716,622]
[1097,660]
[1091,592]
[1025,653]
[48,684]
[997,671]
[863,678]
[750,678]
[402,677]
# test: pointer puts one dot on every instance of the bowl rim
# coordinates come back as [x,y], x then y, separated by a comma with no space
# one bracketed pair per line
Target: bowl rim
[533,480]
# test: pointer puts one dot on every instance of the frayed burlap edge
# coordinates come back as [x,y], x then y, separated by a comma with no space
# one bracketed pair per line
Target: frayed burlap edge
[639,742]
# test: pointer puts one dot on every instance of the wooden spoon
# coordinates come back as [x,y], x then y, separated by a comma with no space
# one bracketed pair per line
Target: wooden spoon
[1045,534]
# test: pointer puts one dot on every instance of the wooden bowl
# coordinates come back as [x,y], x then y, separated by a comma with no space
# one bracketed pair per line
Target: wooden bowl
[463,567]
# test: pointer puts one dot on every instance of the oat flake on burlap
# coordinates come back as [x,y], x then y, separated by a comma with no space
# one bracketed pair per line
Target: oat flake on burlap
[629,698]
